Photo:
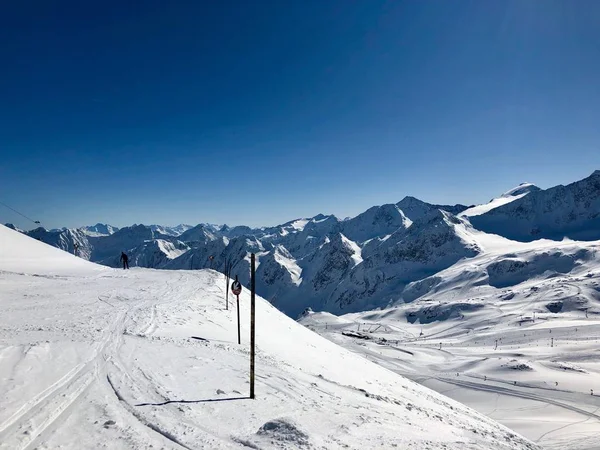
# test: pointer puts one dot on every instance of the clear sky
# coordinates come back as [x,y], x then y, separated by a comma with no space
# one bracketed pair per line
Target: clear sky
[257,112]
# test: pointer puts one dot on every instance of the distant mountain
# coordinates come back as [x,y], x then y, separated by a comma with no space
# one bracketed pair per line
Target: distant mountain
[200,234]
[429,245]
[100,229]
[376,221]
[356,264]
[151,254]
[415,209]
[509,196]
[12,227]
[170,231]
[571,211]
[124,239]
[65,240]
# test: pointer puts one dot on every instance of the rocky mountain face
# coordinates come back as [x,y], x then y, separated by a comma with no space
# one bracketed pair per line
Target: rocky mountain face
[356,264]
[429,245]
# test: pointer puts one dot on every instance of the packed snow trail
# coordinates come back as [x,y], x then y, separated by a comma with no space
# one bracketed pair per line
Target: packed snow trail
[92,357]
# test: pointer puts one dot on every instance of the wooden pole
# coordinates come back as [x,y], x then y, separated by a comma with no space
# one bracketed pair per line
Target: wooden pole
[252,323]
[238,314]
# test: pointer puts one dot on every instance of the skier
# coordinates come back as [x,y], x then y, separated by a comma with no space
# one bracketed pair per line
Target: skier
[125,260]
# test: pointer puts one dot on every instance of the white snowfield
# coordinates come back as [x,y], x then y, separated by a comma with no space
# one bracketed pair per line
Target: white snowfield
[93,357]
[513,332]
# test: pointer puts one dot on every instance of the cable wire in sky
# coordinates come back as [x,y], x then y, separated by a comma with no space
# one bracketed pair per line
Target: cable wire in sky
[19,213]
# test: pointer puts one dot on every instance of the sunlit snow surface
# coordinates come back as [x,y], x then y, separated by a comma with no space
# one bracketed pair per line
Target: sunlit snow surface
[513,332]
[92,357]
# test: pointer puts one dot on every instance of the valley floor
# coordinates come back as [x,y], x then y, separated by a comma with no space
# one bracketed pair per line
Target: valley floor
[536,373]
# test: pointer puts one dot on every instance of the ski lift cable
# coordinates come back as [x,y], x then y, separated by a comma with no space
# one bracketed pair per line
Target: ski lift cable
[19,213]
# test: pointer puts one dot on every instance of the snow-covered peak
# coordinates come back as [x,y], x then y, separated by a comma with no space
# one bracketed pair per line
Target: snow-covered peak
[509,196]
[100,229]
[562,211]
[415,209]
[171,231]
[375,222]
[199,233]
[520,190]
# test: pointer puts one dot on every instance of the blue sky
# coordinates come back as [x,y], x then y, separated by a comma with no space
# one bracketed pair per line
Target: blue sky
[260,112]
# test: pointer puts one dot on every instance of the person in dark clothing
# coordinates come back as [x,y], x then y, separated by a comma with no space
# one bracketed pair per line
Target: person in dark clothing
[125,260]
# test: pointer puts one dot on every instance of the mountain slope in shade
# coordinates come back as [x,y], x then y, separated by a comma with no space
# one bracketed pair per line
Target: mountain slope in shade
[571,211]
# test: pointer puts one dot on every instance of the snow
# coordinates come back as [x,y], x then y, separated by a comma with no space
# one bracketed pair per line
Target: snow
[285,259]
[495,203]
[540,301]
[509,196]
[23,254]
[97,357]
[299,224]
[562,211]
[355,249]
[170,250]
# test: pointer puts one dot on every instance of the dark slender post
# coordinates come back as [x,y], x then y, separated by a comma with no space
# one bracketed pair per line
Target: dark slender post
[252,323]
[226,286]
[238,314]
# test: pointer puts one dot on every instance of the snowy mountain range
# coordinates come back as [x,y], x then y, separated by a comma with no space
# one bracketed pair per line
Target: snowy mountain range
[96,357]
[356,264]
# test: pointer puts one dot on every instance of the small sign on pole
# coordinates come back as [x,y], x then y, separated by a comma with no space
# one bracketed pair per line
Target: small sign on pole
[236,288]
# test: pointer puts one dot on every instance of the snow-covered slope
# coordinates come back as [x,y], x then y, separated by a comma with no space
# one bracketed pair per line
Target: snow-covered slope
[571,211]
[513,194]
[22,254]
[95,357]
[511,331]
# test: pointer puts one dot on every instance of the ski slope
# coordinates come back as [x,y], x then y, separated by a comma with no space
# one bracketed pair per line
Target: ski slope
[93,357]
[512,332]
